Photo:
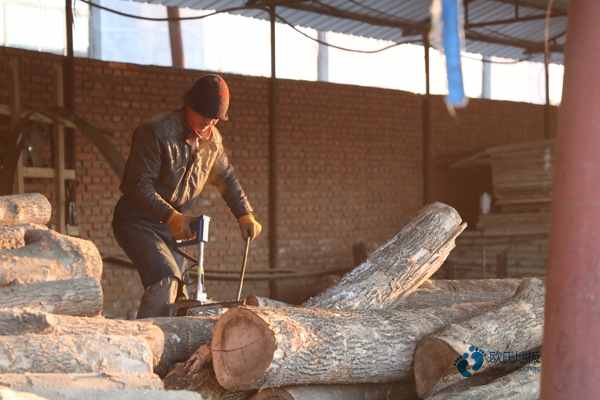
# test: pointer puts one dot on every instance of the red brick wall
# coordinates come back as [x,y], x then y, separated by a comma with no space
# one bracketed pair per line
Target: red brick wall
[350,167]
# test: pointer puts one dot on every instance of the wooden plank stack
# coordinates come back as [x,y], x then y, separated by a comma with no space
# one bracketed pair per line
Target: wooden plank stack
[384,331]
[513,239]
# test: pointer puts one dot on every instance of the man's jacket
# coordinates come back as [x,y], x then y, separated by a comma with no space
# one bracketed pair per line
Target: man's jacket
[164,173]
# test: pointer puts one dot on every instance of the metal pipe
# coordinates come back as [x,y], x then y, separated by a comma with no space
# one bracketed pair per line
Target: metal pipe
[547,87]
[426,126]
[273,160]
[572,323]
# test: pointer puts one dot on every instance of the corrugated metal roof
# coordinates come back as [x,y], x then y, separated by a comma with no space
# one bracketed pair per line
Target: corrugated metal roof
[399,20]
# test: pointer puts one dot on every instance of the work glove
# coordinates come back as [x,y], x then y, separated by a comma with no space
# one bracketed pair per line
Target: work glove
[249,226]
[179,226]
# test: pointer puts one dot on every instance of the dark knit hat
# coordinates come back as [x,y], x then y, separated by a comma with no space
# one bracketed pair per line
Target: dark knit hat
[209,96]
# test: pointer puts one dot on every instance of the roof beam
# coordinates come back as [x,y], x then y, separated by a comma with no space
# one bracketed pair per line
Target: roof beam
[414,28]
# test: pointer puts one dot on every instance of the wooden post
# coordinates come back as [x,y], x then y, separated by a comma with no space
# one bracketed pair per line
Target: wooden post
[59,157]
[177,58]
[15,101]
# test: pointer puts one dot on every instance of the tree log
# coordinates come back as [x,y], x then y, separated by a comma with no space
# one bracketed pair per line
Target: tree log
[442,292]
[197,375]
[71,354]
[170,339]
[522,384]
[49,256]
[515,326]
[25,208]
[82,296]
[400,266]
[27,382]
[80,394]
[365,391]
[13,236]
[259,301]
[261,347]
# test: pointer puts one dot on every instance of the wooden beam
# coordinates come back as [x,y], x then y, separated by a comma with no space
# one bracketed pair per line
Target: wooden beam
[47,173]
[177,58]
[14,112]
[59,157]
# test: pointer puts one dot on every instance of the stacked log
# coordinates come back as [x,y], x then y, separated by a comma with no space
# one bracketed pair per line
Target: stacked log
[42,269]
[53,342]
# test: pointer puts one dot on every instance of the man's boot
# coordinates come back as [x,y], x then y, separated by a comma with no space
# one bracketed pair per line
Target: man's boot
[157,297]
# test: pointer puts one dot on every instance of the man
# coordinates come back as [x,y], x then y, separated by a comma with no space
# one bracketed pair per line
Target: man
[172,157]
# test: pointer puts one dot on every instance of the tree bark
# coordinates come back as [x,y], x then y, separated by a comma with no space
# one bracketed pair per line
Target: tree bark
[71,354]
[27,382]
[515,326]
[82,296]
[49,256]
[441,292]
[261,347]
[13,236]
[170,339]
[522,384]
[79,394]
[365,391]
[400,266]
[25,208]
[197,375]
[259,301]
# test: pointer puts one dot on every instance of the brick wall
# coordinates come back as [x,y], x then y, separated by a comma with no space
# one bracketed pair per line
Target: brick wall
[350,167]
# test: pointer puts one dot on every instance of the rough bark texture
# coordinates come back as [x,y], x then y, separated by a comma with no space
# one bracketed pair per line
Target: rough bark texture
[400,266]
[84,394]
[13,236]
[49,256]
[261,347]
[258,301]
[27,382]
[522,384]
[74,354]
[24,208]
[365,391]
[515,326]
[441,292]
[170,339]
[197,375]
[82,296]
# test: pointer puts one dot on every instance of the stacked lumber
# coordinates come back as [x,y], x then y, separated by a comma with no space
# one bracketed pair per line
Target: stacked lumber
[54,343]
[513,239]
[357,339]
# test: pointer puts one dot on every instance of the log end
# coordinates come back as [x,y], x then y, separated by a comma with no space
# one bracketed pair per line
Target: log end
[242,347]
[433,359]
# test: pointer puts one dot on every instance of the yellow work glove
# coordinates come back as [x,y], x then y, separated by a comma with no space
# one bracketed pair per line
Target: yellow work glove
[179,225]
[249,226]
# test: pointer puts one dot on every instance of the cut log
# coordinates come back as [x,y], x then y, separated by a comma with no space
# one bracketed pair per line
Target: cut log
[442,292]
[197,375]
[170,339]
[258,301]
[82,296]
[80,394]
[522,384]
[365,391]
[27,382]
[13,236]
[74,354]
[25,208]
[400,266]
[515,326]
[49,256]
[262,347]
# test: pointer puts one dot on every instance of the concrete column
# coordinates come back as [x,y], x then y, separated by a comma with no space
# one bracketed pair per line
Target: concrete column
[571,369]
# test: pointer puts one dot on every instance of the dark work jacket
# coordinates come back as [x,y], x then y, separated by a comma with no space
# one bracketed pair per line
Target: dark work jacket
[163,173]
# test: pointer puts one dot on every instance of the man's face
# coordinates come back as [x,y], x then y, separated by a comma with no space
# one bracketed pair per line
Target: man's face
[199,124]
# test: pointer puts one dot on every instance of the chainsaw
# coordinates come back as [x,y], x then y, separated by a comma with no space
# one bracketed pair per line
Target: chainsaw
[199,227]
